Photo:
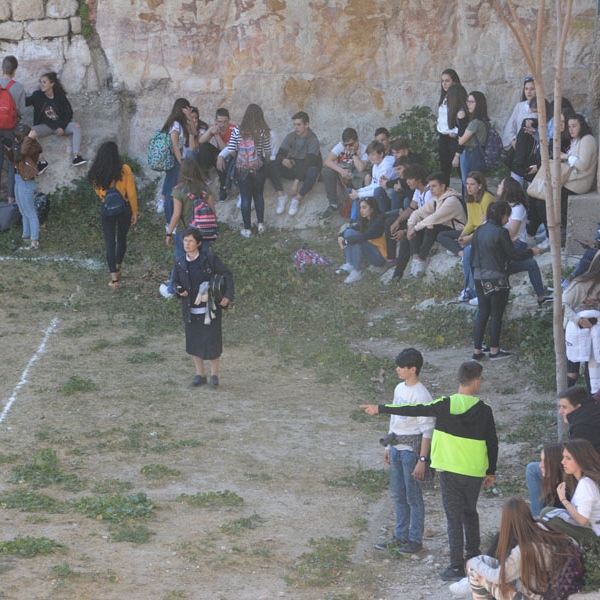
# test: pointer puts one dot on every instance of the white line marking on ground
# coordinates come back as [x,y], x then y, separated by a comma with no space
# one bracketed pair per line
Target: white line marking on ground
[23,381]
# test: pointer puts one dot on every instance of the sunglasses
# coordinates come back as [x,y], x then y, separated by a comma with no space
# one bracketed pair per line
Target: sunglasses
[528,79]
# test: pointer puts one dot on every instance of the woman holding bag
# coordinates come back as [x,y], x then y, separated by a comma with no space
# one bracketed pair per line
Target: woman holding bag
[107,173]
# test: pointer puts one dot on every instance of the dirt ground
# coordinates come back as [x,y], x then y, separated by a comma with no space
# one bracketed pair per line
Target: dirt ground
[273,433]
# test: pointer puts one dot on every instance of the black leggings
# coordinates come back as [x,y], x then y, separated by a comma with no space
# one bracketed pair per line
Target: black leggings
[491,307]
[115,236]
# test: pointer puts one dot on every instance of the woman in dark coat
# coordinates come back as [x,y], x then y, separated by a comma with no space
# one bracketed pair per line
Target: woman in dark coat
[201,313]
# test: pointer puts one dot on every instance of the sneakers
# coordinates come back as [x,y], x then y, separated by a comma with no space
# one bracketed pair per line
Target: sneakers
[35,245]
[199,380]
[246,233]
[261,228]
[474,301]
[164,291]
[214,382]
[452,574]
[354,276]
[411,548]
[42,166]
[417,267]
[160,206]
[294,204]
[78,161]
[546,300]
[499,355]
[530,241]
[461,589]
[329,211]
[387,544]
[478,356]
[281,203]
[464,296]
[345,268]
[544,244]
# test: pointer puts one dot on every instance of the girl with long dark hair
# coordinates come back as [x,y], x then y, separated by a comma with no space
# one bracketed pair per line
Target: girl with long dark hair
[474,138]
[447,141]
[108,170]
[53,115]
[176,126]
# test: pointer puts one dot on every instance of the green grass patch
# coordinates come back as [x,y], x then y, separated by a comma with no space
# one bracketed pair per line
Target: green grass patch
[28,501]
[134,534]
[112,486]
[145,357]
[237,526]
[155,471]
[29,546]
[76,384]
[211,499]
[538,423]
[367,481]
[115,507]
[323,566]
[43,471]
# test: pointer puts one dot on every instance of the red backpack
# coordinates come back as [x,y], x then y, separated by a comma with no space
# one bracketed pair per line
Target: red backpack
[8,108]
[248,159]
[203,218]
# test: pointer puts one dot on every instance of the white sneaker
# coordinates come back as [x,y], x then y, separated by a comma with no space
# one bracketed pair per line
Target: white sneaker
[281,203]
[294,204]
[544,245]
[464,296]
[530,240]
[419,267]
[461,589]
[164,291]
[474,301]
[345,268]
[413,266]
[160,206]
[261,228]
[246,233]
[354,276]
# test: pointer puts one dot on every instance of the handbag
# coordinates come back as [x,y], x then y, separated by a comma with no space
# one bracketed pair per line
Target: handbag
[114,204]
[491,286]
[537,187]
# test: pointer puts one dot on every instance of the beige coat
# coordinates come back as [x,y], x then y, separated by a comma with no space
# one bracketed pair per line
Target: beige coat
[581,177]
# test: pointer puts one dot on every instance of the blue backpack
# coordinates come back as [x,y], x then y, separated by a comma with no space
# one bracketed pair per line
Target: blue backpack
[493,152]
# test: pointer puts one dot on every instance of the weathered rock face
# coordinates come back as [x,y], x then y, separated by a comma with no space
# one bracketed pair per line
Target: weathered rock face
[346,62]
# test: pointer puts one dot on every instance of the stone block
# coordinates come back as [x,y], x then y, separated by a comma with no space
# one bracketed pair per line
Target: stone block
[60,9]
[582,220]
[75,25]
[26,11]
[9,30]
[4,10]
[48,28]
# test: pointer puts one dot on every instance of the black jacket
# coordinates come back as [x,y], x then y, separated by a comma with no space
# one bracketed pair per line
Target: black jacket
[492,250]
[63,109]
[584,423]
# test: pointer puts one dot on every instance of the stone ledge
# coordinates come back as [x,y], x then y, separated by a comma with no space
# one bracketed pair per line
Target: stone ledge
[48,28]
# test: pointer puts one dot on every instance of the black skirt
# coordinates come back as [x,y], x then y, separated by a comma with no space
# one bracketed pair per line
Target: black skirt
[204,341]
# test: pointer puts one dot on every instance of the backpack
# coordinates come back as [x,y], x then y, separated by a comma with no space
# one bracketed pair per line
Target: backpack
[305,256]
[114,204]
[569,580]
[203,218]
[248,160]
[9,215]
[8,108]
[493,152]
[160,152]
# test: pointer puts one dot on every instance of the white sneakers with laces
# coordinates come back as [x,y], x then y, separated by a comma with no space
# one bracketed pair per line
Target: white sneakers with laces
[281,204]
[294,204]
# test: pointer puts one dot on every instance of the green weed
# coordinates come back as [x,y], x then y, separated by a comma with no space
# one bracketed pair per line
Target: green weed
[147,357]
[417,127]
[115,507]
[77,384]
[112,486]
[43,471]
[27,501]
[29,546]
[538,424]
[155,471]
[324,565]
[211,499]
[367,481]
[134,534]
[237,526]
[61,571]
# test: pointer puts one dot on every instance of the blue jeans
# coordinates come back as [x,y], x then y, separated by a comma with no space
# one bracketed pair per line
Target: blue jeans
[356,252]
[407,496]
[24,194]
[179,252]
[471,159]
[533,270]
[469,282]
[533,476]
[169,183]
[251,186]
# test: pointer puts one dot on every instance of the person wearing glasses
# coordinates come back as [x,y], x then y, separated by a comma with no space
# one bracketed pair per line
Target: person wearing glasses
[344,168]
[520,112]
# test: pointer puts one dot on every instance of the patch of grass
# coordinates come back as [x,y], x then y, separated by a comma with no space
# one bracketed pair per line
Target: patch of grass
[43,471]
[211,499]
[258,476]
[115,507]
[155,471]
[367,481]
[538,423]
[29,546]
[6,459]
[134,534]
[237,526]
[187,443]
[147,357]
[324,565]
[112,486]
[360,523]
[61,571]
[76,384]
[134,340]
[28,501]
[101,344]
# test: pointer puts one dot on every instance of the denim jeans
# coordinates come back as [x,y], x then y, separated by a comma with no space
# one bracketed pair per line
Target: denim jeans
[469,282]
[471,159]
[407,496]
[24,194]
[169,183]
[43,130]
[251,186]
[356,252]
[533,270]
[533,476]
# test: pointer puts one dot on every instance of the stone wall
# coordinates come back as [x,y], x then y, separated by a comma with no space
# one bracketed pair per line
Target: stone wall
[346,62]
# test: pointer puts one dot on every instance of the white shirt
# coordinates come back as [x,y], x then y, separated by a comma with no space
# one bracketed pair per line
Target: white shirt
[513,125]
[385,167]
[586,500]
[519,213]
[421,197]
[339,149]
[442,122]
[413,394]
